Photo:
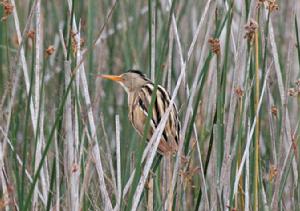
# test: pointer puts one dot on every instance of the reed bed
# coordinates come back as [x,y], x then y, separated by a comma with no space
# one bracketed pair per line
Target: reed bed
[231,67]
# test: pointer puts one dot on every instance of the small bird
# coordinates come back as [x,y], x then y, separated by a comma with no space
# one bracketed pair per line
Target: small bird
[139,90]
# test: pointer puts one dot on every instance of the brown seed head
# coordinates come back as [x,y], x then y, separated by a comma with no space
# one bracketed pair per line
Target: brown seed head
[31,34]
[259,3]
[187,175]
[50,50]
[272,5]
[298,82]
[8,9]
[294,144]
[298,86]
[250,29]
[239,92]
[75,167]
[293,92]
[215,46]
[274,111]
[75,43]
[273,172]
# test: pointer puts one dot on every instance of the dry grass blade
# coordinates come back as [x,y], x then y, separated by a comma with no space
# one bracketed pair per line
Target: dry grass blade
[38,119]
[119,196]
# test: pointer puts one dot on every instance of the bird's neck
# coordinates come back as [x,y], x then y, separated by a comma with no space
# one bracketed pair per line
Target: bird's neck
[131,97]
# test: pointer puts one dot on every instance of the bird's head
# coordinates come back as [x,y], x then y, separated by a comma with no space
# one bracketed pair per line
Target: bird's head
[131,81]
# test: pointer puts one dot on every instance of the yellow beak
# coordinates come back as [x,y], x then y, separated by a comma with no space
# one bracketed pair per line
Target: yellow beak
[112,77]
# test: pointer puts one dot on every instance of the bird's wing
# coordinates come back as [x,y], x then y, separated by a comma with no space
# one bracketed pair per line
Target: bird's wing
[141,110]
[172,127]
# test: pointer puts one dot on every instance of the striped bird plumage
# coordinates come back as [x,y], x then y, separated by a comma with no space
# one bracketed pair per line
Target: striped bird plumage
[140,89]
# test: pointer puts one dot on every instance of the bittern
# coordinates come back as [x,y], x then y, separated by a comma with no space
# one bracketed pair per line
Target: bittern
[139,90]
